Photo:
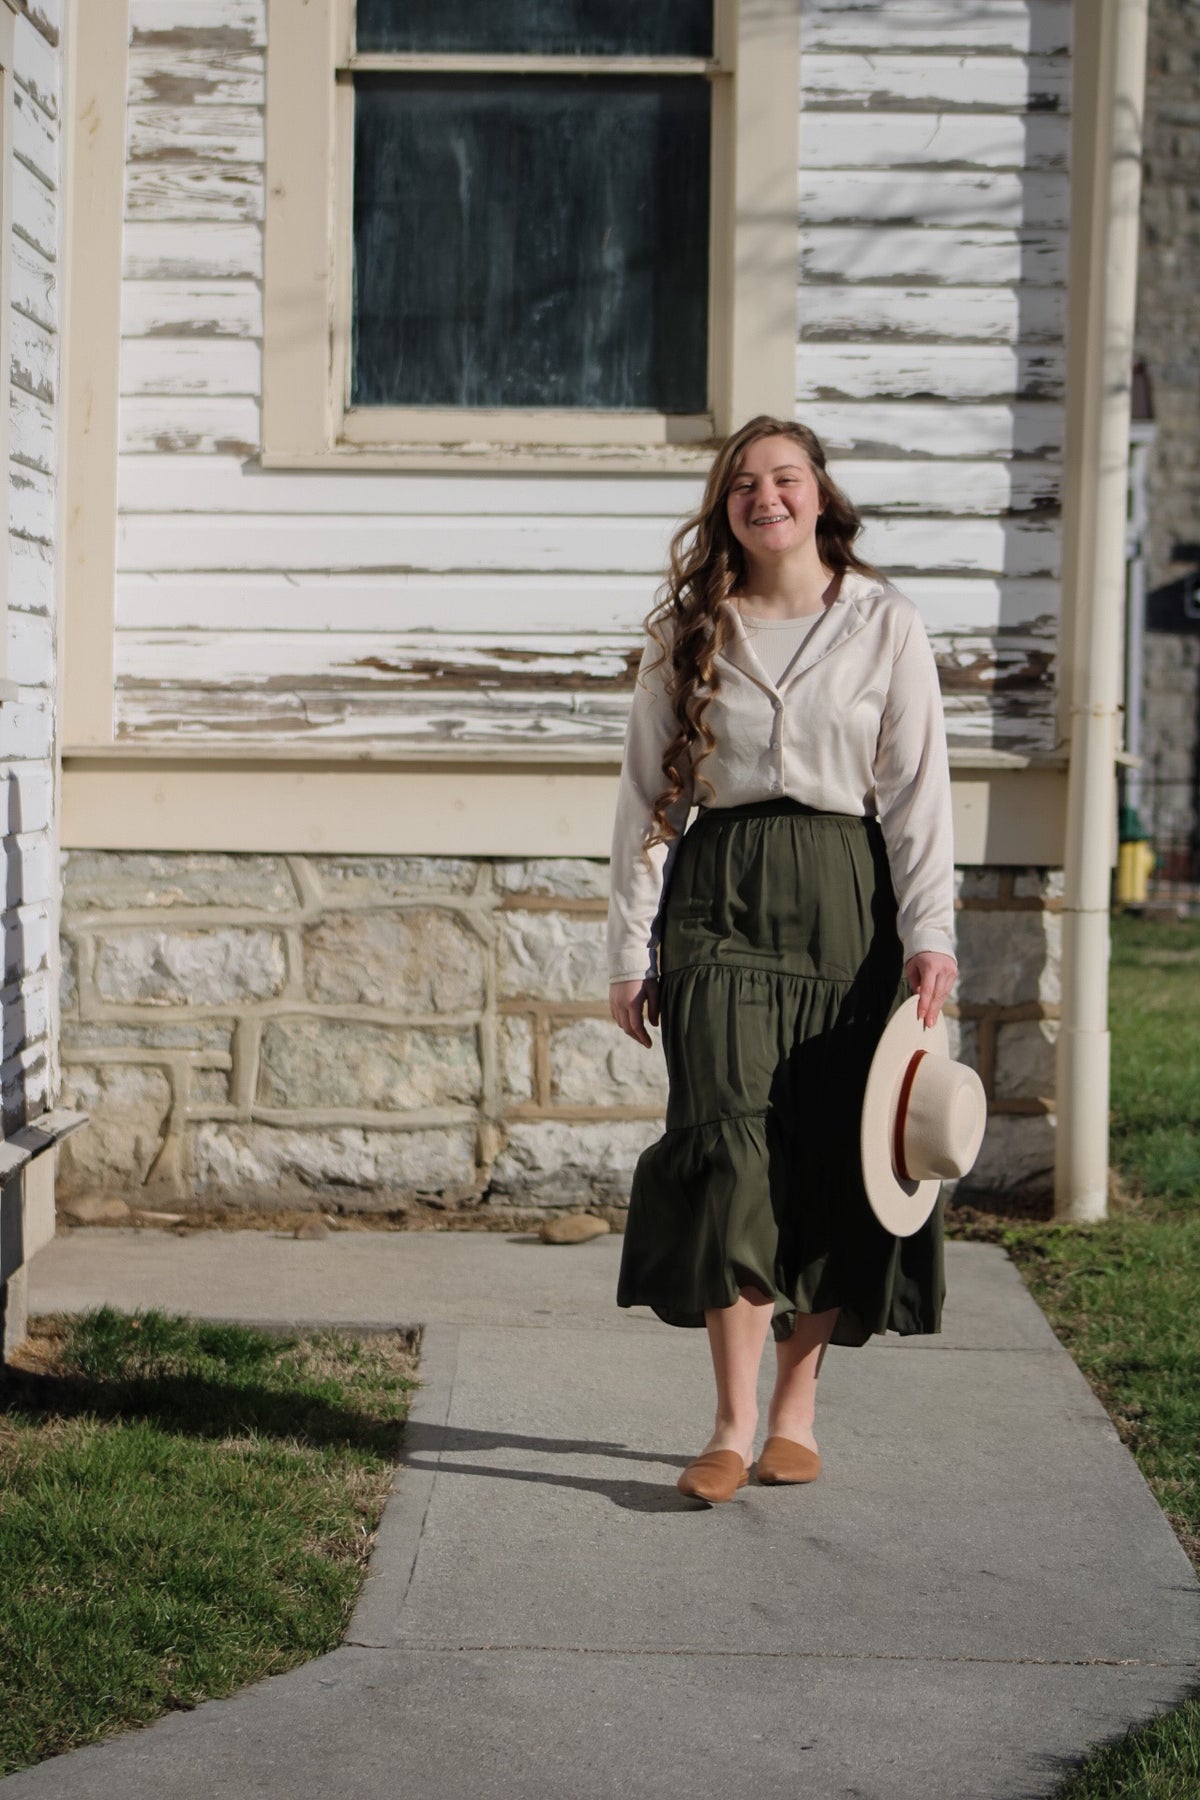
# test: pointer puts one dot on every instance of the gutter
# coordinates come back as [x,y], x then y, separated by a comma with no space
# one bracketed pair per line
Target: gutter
[1109,86]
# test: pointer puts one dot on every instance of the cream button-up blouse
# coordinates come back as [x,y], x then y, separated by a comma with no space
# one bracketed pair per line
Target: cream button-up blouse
[855,726]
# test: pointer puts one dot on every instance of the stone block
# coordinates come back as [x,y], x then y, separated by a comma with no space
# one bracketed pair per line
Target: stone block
[307,1062]
[422,960]
[227,965]
[545,1163]
[592,1062]
[127,1107]
[1038,884]
[209,1087]
[553,956]
[566,877]
[979,884]
[1025,1059]
[106,1034]
[68,978]
[376,880]
[1008,958]
[516,1059]
[112,880]
[963,1038]
[360,1167]
[1017,1156]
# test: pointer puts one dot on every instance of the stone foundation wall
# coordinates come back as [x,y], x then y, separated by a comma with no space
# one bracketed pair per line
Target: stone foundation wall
[373,1032]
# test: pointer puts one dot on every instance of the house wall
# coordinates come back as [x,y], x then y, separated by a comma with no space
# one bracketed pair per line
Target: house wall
[430,609]
[28,726]
[381,610]
[30,1075]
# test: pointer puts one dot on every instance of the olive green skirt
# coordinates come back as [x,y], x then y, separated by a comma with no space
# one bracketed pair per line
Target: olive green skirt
[780,968]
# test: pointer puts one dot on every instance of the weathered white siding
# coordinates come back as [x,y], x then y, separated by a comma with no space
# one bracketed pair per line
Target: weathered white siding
[383,608]
[933,204]
[29,1071]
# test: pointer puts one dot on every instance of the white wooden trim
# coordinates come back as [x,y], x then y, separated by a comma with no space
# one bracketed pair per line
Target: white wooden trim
[1084,356]
[378,426]
[8,688]
[444,63]
[976,759]
[297,265]
[759,318]
[94,189]
[552,459]
[1003,815]
[306,419]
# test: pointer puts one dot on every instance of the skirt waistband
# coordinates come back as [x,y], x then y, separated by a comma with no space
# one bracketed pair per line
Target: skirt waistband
[782,807]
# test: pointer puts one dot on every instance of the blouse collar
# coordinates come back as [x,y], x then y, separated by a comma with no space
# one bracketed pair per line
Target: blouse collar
[843,621]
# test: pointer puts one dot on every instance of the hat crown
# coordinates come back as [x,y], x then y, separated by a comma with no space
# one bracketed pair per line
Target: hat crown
[944,1119]
[922,1123]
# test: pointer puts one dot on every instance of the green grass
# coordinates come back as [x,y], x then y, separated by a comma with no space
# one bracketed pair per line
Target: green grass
[183,1508]
[1155,1023]
[1124,1296]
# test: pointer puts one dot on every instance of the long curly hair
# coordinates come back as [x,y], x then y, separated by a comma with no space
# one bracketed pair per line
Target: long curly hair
[707,565]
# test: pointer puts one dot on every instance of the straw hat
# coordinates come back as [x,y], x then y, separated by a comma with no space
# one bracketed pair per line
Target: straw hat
[922,1120]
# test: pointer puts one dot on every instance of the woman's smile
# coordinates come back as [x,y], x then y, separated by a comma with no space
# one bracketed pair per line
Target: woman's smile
[774,499]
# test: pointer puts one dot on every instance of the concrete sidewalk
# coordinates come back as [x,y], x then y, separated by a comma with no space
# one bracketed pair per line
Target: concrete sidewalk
[978,1588]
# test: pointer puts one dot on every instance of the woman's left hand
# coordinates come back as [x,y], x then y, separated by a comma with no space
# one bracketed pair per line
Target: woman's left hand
[930,976]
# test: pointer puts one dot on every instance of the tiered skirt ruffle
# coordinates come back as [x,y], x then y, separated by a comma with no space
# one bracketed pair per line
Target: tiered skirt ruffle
[780,968]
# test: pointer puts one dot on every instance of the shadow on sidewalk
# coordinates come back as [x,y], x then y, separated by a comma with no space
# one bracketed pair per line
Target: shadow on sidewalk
[430,1447]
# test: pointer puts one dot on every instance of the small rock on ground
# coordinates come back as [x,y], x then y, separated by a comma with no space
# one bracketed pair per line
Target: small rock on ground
[95,1209]
[575,1228]
[311,1229]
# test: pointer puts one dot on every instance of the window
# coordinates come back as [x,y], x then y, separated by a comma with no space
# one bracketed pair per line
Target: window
[530,226]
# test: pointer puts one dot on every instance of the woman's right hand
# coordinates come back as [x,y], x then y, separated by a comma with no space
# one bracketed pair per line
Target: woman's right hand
[626,1000]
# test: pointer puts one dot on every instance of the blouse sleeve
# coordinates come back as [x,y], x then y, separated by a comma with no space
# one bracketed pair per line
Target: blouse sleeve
[639,876]
[912,789]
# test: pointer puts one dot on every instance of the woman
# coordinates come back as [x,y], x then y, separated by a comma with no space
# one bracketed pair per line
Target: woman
[788,691]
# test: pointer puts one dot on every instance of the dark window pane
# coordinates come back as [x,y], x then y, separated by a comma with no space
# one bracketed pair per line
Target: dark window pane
[531,241]
[546,27]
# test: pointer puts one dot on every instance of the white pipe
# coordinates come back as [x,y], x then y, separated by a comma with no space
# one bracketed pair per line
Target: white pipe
[1106,190]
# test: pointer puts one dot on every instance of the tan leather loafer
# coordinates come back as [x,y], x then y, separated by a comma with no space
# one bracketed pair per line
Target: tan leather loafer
[782,1462]
[715,1476]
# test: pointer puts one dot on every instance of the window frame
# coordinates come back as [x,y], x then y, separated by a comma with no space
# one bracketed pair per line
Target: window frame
[307,419]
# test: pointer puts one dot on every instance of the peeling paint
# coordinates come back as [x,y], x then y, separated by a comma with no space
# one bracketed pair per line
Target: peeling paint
[993,674]
[233,38]
[529,677]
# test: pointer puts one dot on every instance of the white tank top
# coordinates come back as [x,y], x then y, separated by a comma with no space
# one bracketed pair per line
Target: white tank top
[778,642]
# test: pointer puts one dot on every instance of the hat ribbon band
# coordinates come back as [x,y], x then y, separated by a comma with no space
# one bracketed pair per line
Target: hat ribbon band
[906,1086]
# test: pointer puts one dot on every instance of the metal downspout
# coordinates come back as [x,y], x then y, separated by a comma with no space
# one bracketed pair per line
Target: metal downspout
[1104,289]
[1141,439]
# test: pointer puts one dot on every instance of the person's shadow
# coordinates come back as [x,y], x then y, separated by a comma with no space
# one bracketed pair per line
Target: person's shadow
[433,1447]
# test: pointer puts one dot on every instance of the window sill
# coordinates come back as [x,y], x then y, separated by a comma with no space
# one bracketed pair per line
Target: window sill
[582,459]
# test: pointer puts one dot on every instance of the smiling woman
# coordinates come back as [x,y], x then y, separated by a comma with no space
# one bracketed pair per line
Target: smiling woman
[776,937]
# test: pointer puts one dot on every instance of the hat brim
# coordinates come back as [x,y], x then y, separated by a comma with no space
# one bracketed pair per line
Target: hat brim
[901,1207]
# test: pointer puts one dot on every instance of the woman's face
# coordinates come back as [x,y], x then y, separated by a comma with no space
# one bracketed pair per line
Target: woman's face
[774,501]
